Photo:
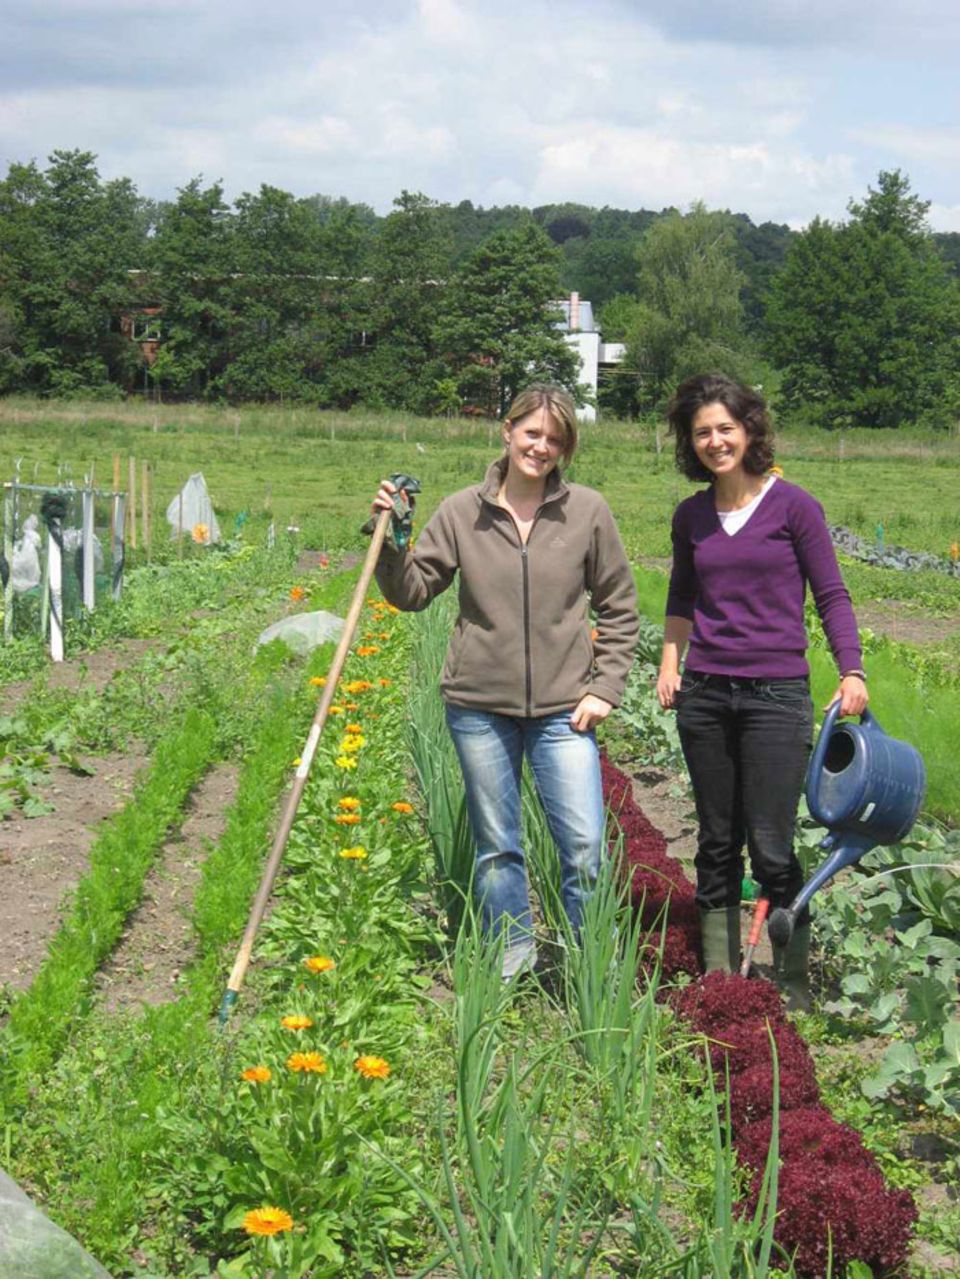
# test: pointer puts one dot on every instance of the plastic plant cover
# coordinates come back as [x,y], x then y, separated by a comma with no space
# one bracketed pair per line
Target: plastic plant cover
[304,631]
[191,512]
[32,1247]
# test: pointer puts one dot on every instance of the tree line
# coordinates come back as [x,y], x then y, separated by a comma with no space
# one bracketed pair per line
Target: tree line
[433,308]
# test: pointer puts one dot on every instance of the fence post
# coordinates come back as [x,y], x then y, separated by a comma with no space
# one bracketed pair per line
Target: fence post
[89,579]
[132,499]
[119,516]
[8,554]
[55,566]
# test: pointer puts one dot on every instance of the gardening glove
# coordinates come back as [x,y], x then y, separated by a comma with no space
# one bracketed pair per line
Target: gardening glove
[401,518]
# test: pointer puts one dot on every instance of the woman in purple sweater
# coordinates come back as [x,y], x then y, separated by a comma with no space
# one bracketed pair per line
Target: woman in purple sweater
[744,550]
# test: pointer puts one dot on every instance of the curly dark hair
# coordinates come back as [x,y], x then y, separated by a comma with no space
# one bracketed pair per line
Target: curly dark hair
[742,403]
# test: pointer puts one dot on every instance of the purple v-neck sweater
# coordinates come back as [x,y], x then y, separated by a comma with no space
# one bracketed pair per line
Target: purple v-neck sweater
[744,594]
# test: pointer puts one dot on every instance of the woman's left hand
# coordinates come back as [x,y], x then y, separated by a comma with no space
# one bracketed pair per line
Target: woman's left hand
[852,696]
[588,713]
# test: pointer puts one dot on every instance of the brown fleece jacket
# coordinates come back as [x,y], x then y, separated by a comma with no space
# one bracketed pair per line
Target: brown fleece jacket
[521,645]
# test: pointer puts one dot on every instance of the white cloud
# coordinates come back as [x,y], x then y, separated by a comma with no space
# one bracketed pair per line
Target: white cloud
[939,145]
[943,217]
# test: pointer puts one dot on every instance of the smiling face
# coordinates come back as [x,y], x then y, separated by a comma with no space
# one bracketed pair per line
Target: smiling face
[534,445]
[719,440]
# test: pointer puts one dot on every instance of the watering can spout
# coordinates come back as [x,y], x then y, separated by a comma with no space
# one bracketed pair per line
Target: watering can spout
[866,788]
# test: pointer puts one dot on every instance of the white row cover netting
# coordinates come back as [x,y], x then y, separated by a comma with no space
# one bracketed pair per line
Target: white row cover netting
[87,526]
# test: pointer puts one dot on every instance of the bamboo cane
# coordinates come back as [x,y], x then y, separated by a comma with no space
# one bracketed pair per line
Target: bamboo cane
[242,960]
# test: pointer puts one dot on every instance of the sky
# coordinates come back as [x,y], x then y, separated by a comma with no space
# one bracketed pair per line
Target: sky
[780,109]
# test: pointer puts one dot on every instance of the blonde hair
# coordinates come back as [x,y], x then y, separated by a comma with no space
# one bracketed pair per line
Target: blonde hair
[558,403]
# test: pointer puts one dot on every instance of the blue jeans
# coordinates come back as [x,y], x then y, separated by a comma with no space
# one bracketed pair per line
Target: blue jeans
[566,770]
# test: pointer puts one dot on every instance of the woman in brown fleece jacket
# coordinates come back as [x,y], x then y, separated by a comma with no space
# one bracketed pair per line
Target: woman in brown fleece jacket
[522,676]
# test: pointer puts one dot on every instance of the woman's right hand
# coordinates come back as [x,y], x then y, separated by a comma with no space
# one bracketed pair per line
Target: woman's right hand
[668,685]
[384,499]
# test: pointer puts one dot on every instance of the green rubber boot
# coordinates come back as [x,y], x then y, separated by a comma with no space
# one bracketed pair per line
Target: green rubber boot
[791,970]
[720,933]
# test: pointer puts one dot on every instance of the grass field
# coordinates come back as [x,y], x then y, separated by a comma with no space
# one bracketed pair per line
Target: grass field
[377,1085]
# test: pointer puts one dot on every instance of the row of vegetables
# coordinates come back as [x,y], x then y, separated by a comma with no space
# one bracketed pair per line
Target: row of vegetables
[833,1205]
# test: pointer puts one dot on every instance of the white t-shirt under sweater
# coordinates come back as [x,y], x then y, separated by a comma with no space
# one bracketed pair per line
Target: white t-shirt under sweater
[731,521]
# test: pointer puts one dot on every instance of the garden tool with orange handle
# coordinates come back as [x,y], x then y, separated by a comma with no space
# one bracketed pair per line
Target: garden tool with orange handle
[380,527]
[753,937]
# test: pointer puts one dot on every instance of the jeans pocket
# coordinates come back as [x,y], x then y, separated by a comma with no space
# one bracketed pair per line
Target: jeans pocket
[791,694]
[690,682]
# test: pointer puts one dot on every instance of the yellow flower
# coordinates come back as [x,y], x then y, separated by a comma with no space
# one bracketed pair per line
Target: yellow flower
[367,650]
[335,710]
[297,762]
[200,533]
[297,593]
[356,854]
[267,1221]
[347,819]
[319,963]
[318,681]
[349,802]
[372,1067]
[344,761]
[307,1063]
[401,806]
[296,1021]
[350,706]
[256,1074]
[776,470]
[353,728]
[352,743]
[392,608]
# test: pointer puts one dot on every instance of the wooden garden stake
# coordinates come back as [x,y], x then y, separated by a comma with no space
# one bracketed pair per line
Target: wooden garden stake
[116,490]
[300,777]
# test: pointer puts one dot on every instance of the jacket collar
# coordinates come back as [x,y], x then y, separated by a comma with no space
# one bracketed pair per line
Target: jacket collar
[497,473]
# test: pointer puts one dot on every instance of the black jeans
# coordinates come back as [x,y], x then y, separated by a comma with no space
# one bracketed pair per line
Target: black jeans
[746,743]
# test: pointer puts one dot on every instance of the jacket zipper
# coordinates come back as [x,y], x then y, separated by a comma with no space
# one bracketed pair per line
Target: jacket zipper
[526,625]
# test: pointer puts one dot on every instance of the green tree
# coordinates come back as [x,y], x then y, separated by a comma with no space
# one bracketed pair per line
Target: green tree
[401,303]
[497,330]
[67,245]
[864,318]
[191,282]
[689,317]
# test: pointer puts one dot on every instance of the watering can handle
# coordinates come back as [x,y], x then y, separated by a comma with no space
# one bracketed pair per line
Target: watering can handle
[815,767]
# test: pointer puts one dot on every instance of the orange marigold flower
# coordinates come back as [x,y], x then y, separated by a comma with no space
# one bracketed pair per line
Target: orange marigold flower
[357,686]
[319,963]
[200,533]
[367,650]
[307,1063]
[372,1067]
[384,683]
[350,706]
[347,819]
[296,1021]
[297,593]
[318,681]
[256,1074]
[353,728]
[349,802]
[392,608]
[267,1221]
[401,806]
[335,710]
[356,854]
[384,634]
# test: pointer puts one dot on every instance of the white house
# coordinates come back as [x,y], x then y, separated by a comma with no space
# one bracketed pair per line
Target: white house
[581,333]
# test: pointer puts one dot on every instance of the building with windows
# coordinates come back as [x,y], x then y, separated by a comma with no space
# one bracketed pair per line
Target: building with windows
[581,333]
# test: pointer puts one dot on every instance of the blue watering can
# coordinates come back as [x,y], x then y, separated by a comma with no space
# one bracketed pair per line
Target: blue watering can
[866,788]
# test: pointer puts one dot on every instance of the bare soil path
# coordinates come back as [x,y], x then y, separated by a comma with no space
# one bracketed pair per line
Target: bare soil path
[157,943]
[43,858]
